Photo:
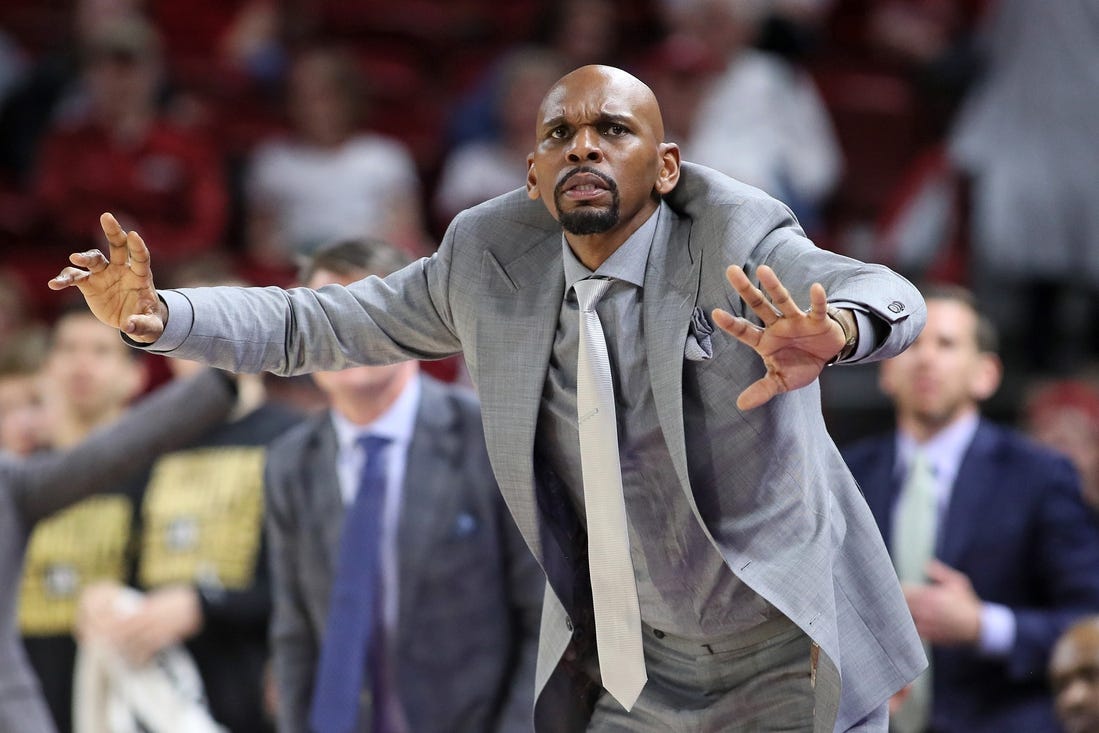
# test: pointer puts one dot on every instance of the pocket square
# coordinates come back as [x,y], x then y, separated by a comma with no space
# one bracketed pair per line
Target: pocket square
[699,346]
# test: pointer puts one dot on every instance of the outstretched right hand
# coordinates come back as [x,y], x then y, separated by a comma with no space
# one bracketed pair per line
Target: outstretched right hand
[120,290]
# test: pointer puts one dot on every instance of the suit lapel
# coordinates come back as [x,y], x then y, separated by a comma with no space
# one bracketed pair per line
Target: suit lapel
[323,491]
[514,341]
[671,290]
[427,499]
[881,486]
[969,497]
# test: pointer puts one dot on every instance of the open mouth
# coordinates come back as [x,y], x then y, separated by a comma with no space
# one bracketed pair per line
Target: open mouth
[584,184]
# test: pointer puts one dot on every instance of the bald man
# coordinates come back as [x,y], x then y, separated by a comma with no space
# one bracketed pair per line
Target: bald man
[1074,676]
[711,564]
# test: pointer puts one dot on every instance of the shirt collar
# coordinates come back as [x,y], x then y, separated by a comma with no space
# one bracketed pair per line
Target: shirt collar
[397,423]
[625,263]
[944,451]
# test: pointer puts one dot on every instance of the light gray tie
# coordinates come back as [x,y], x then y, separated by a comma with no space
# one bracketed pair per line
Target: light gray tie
[614,593]
[913,548]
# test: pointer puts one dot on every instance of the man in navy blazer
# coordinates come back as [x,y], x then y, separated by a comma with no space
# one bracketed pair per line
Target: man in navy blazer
[1016,553]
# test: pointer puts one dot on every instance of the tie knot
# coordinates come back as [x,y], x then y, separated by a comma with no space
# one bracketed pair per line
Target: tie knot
[921,464]
[373,445]
[589,291]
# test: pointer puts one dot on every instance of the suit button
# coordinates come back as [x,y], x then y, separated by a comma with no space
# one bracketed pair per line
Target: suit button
[577,631]
[658,633]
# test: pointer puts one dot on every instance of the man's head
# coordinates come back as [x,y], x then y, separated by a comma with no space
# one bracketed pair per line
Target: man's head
[91,373]
[343,263]
[123,68]
[600,163]
[326,95]
[949,370]
[1074,676]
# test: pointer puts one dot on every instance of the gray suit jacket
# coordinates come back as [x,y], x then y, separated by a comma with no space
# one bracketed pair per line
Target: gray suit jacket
[788,518]
[35,487]
[470,592]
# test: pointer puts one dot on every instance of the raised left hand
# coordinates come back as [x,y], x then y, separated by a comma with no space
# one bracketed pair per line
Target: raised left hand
[795,345]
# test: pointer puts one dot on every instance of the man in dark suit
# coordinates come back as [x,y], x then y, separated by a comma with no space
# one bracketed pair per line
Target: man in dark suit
[461,593]
[1013,554]
[42,484]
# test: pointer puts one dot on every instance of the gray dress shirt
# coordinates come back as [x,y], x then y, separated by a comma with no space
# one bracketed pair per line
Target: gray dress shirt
[683,584]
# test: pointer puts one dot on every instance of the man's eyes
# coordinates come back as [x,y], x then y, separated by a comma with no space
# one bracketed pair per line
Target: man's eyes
[613,129]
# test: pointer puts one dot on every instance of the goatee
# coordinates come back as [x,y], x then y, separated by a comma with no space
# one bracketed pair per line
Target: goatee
[587,219]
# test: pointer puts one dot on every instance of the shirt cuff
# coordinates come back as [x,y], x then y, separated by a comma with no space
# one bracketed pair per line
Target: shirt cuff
[997,630]
[864,322]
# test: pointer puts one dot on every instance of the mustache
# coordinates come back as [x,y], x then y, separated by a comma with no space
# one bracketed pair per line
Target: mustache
[607,180]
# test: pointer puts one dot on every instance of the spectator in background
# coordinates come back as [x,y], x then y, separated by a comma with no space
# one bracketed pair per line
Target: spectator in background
[1064,415]
[1023,137]
[596,40]
[201,560]
[123,154]
[680,71]
[1074,676]
[996,551]
[23,422]
[90,378]
[32,488]
[486,167]
[327,179]
[760,120]
[460,592]
[28,110]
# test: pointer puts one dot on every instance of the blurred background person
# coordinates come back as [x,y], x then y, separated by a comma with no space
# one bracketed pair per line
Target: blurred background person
[90,378]
[478,170]
[23,419]
[328,177]
[995,549]
[201,562]
[1018,138]
[451,642]
[760,119]
[1074,677]
[1063,414]
[120,152]
[34,487]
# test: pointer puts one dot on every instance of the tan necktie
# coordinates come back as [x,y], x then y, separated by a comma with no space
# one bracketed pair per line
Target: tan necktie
[614,592]
[913,548]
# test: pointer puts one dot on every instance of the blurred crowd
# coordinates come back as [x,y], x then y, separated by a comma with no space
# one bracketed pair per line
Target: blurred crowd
[941,137]
[952,140]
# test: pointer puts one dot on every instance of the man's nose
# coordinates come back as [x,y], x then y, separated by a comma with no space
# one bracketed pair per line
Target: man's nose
[585,147]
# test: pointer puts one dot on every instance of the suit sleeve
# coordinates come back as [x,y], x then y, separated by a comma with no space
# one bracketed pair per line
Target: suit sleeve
[748,228]
[405,316]
[1066,559]
[167,420]
[894,306]
[294,651]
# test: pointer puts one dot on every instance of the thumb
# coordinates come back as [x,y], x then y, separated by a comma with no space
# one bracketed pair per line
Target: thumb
[144,329]
[757,393]
[941,573]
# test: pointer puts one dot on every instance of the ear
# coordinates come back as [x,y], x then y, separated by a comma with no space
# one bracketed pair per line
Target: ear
[668,177]
[986,377]
[532,180]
